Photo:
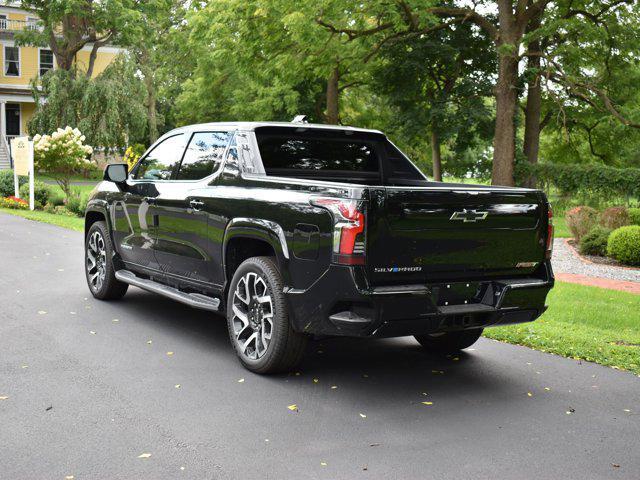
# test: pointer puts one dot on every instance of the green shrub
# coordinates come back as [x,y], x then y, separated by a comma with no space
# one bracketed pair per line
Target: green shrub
[6,183]
[41,192]
[590,180]
[581,220]
[77,203]
[634,216]
[614,217]
[595,242]
[624,245]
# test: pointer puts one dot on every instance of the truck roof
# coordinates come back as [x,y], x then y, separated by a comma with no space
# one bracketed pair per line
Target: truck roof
[253,125]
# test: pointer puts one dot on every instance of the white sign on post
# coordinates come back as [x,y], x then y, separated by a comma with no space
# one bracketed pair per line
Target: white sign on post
[22,155]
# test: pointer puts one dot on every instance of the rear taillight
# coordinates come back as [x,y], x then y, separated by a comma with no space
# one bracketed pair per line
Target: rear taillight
[549,232]
[348,229]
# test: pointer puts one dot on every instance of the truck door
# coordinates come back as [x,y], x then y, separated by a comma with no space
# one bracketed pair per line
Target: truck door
[135,213]
[184,247]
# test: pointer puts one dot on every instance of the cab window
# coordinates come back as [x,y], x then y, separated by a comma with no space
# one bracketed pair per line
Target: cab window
[204,155]
[162,162]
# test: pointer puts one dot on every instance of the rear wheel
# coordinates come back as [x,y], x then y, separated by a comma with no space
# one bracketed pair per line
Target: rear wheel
[449,342]
[98,261]
[258,320]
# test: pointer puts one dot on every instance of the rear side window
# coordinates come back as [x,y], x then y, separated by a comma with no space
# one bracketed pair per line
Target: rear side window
[204,155]
[162,162]
[291,149]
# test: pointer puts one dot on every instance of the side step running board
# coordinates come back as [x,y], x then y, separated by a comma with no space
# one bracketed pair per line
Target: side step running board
[196,300]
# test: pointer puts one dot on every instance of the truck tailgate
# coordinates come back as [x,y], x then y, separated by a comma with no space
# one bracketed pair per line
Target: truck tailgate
[420,235]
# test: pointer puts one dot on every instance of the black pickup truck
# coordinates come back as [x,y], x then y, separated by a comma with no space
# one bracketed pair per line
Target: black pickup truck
[294,230]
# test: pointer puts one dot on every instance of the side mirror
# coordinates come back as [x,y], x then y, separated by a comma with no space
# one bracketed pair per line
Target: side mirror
[116,173]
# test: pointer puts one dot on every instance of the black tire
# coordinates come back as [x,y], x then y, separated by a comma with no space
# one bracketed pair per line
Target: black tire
[285,347]
[449,342]
[109,288]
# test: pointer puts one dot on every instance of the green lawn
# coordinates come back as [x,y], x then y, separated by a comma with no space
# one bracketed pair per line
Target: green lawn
[560,229]
[587,323]
[73,223]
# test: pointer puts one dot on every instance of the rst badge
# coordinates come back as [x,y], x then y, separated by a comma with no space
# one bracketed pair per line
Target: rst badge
[469,216]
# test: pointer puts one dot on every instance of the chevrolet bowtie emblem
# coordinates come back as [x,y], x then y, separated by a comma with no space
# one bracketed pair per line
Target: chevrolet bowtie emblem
[469,216]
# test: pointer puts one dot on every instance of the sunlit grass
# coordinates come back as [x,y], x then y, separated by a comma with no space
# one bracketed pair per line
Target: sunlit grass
[587,323]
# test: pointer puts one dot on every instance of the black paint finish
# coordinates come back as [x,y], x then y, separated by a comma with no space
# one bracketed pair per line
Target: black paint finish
[438,256]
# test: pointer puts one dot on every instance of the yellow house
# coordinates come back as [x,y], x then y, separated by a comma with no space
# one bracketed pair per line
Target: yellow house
[20,65]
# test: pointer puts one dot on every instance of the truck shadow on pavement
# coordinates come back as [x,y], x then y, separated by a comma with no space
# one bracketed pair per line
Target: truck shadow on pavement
[385,367]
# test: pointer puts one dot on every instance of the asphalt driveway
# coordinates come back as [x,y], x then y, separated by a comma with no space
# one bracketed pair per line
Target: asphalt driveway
[144,388]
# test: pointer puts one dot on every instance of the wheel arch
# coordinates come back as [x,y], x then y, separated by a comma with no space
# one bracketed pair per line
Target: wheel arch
[251,237]
[95,212]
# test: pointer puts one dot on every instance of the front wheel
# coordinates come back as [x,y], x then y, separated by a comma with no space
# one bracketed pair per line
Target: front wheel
[258,320]
[449,342]
[98,261]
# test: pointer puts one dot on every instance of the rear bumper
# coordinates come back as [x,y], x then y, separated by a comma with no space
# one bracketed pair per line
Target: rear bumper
[341,303]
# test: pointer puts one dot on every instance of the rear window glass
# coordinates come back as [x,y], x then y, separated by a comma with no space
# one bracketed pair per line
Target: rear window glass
[302,149]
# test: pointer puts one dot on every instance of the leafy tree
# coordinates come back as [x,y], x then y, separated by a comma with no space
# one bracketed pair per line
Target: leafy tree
[265,59]
[109,109]
[437,86]
[509,24]
[70,25]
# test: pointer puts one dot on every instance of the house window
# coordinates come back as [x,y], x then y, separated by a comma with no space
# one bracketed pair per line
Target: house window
[11,61]
[46,61]
[3,22]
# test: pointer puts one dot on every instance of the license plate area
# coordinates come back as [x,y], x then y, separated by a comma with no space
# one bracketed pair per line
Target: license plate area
[459,293]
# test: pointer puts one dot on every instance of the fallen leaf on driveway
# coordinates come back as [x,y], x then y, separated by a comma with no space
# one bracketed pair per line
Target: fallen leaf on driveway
[437,372]
[3,397]
[42,312]
[615,465]
[529,394]
[144,455]
[178,385]
[92,332]
[115,320]
[324,464]
[25,366]
[69,477]
[427,403]
[333,387]
[363,415]
[315,380]
[547,389]
[72,313]
[293,408]
[374,444]
[627,410]
[48,408]
[149,342]
[169,353]
[241,380]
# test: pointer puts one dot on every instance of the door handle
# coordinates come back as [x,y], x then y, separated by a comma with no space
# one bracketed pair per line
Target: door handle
[196,204]
[150,200]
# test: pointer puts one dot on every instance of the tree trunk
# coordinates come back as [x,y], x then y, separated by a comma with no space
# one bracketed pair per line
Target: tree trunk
[333,95]
[531,145]
[504,148]
[436,156]
[152,113]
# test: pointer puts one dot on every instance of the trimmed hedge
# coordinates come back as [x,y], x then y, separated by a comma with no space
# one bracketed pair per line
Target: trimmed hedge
[590,179]
[7,187]
[634,216]
[595,242]
[624,245]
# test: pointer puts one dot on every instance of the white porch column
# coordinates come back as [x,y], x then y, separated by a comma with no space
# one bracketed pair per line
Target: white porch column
[3,119]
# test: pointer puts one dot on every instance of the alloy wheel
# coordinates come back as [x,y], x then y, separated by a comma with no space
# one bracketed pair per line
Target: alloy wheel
[252,316]
[96,261]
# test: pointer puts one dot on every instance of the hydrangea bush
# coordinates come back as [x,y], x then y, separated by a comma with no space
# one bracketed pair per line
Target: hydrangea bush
[62,154]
